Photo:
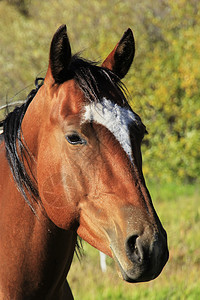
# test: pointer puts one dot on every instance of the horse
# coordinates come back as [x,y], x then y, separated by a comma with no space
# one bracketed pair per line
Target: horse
[71,166]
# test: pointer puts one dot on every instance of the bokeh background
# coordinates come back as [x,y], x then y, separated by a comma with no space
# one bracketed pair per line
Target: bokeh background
[164,89]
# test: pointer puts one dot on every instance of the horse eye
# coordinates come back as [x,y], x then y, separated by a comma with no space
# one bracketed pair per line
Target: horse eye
[75,139]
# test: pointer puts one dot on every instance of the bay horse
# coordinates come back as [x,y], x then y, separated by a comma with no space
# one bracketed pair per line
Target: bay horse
[71,166]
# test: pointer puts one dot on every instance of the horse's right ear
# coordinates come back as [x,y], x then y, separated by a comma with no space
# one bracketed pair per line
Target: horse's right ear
[60,55]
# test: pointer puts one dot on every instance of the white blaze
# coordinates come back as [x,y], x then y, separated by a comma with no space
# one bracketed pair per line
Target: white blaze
[115,118]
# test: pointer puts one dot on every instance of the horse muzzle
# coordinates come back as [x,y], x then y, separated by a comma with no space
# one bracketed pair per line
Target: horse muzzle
[142,259]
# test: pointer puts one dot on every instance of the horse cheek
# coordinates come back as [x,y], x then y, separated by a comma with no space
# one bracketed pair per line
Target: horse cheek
[59,201]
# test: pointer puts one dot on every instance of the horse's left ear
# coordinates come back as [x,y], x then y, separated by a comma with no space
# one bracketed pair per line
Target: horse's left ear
[60,55]
[121,58]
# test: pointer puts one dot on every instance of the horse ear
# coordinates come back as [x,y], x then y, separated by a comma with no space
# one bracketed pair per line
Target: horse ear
[121,58]
[60,55]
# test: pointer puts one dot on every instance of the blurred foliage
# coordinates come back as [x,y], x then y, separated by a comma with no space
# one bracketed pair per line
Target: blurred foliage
[163,82]
[21,5]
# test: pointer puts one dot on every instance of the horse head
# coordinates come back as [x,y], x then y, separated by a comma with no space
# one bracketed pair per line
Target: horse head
[89,163]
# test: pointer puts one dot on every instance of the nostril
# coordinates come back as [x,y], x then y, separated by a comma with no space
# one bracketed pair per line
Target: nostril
[131,243]
[133,249]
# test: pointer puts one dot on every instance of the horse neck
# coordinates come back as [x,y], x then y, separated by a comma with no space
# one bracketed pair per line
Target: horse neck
[29,244]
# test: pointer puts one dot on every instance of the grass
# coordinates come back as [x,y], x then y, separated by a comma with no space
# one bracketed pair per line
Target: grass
[179,210]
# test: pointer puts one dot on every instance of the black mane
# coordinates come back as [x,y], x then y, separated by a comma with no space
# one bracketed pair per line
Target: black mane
[94,80]
[91,79]
[16,151]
